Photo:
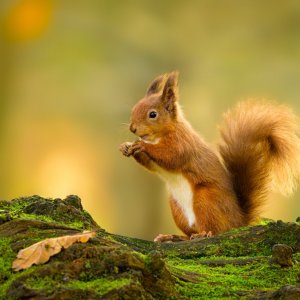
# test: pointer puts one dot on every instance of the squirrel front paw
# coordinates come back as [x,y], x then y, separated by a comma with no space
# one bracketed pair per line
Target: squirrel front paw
[137,147]
[129,149]
[125,148]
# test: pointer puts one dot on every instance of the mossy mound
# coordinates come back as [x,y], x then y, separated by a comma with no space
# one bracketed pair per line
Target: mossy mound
[100,269]
[235,265]
[68,212]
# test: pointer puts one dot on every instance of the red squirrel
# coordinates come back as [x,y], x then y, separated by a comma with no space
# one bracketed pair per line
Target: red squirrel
[210,193]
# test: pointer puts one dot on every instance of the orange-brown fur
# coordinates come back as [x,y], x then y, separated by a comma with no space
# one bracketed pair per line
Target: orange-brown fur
[260,146]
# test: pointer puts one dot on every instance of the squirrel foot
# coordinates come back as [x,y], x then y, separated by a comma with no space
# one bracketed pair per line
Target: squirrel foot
[169,238]
[201,235]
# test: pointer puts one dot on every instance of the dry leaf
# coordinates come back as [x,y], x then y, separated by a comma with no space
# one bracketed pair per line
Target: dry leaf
[40,252]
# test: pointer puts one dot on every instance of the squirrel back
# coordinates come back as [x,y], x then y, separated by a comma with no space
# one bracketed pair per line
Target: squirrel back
[260,149]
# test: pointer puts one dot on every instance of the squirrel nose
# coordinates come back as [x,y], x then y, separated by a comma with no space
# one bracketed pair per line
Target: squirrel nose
[132,128]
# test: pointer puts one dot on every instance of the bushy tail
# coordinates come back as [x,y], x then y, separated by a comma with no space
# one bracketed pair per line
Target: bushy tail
[261,150]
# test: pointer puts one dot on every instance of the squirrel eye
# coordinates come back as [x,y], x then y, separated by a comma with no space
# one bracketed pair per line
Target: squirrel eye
[152,114]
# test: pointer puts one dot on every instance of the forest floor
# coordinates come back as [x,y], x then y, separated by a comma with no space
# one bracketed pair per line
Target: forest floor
[256,262]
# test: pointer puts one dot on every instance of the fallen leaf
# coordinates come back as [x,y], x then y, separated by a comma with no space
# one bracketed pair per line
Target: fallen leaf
[40,252]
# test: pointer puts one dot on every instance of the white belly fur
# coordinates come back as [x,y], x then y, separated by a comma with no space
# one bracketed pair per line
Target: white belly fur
[180,189]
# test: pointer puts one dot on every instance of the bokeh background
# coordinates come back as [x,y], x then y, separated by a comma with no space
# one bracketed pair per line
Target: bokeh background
[70,71]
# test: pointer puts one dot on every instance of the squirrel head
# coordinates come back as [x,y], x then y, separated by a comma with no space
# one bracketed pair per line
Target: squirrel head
[157,113]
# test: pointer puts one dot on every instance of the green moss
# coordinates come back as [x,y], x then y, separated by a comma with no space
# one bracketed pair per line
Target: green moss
[212,249]
[43,218]
[291,236]
[142,257]
[233,248]
[15,207]
[262,238]
[235,231]
[101,286]
[45,283]
[139,245]
[6,258]
[12,277]
[74,225]
[265,221]
[16,210]
[233,265]
[217,282]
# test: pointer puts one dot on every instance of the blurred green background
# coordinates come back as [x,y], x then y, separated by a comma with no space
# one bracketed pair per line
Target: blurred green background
[70,71]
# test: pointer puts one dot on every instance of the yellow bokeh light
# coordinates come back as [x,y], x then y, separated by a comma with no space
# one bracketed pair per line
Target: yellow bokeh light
[28,19]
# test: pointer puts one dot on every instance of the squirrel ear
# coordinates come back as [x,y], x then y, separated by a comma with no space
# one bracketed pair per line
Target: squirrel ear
[170,91]
[157,85]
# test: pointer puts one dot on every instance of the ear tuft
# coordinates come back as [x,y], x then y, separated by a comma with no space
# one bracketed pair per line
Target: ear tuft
[170,91]
[173,77]
[157,85]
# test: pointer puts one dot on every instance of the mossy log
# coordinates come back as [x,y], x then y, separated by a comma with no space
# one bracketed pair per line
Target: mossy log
[235,265]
